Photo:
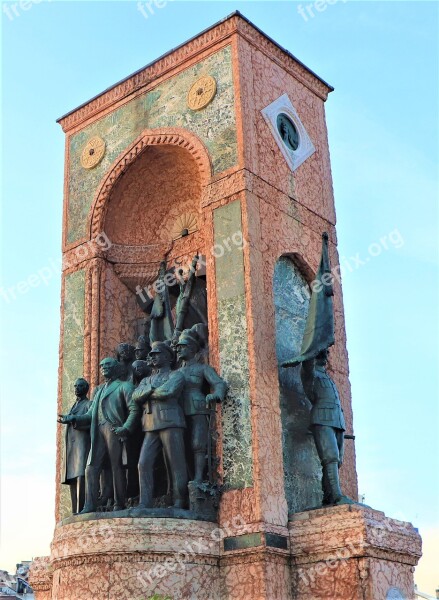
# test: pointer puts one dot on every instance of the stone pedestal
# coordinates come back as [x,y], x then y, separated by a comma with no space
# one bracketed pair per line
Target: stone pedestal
[134,558]
[40,577]
[352,553]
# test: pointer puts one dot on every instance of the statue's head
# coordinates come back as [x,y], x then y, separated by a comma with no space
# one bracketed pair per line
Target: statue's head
[140,368]
[125,352]
[189,344]
[81,387]
[142,348]
[109,368]
[161,355]
[322,358]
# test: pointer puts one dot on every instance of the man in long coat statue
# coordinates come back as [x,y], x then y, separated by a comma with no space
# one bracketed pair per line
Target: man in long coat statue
[327,420]
[112,417]
[77,447]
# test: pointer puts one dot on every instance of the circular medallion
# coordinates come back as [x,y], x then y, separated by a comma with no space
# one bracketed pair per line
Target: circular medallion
[288,132]
[202,93]
[93,152]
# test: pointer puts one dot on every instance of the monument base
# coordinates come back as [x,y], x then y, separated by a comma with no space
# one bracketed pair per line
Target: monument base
[349,552]
[134,558]
[352,552]
[40,578]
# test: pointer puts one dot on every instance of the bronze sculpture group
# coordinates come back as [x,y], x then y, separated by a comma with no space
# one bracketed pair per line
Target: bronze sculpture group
[147,430]
[148,433]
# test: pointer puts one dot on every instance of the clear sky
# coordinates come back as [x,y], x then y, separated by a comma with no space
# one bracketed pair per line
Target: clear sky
[382,58]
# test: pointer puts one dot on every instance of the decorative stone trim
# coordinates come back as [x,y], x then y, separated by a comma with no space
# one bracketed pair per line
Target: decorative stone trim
[257,555]
[177,57]
[284,58]
[363,531]
[164,137]
[148,74]
[129,557]
[41,574]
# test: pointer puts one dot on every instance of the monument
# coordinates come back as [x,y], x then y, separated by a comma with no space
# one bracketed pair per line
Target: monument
[201,277]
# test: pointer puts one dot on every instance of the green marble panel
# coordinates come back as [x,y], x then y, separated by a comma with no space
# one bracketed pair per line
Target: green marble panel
[233,349]
[73,356]
[165,106]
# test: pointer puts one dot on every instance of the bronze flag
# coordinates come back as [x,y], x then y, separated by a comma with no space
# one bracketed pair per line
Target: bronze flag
[319,329]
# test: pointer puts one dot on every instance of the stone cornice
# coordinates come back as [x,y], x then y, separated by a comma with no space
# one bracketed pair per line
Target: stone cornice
[234,24]
[129,557]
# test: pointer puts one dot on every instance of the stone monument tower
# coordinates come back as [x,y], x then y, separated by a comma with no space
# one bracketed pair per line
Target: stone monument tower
[217,150]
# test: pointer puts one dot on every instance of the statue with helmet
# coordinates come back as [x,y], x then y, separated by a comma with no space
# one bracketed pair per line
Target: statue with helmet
[203,388]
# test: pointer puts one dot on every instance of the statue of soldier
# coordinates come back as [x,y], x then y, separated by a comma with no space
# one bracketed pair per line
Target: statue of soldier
[113,416]
[196,403]
[327,425]
[327,420]
[163,423]
[77,447]
[141,369]
[142,348]
[125,354]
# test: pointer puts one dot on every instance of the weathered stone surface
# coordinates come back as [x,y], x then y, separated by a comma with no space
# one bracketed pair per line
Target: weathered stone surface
[135,558]
[351,552]
[165,105]
[40,577]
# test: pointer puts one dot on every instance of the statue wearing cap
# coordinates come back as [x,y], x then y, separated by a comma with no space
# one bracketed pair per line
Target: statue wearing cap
[199,379]
[125,354]
[163,423]
[142,348]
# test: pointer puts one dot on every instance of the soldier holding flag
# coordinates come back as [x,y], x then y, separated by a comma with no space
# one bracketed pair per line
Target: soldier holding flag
[327,420]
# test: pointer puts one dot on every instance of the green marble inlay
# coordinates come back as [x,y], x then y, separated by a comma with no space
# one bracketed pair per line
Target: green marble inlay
[165,106]
[73,355]
[241,542]
[232,325]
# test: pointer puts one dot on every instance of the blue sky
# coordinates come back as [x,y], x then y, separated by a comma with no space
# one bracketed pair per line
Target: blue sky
[382,58]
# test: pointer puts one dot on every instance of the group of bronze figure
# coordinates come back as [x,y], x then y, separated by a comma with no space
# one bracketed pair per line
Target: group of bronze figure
[149,429]
[169,405]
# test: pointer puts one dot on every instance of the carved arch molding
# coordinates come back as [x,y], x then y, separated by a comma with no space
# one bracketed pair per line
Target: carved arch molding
[160,137]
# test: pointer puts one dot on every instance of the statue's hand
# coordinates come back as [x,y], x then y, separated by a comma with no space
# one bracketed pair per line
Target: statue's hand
[121,432]
[211,398]
[65,419]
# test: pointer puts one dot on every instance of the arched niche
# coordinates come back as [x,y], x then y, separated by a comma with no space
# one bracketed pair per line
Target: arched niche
[149,206]
[302,471]
[157,200]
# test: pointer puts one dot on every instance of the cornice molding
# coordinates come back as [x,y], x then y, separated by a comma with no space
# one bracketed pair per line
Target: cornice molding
[146,76]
